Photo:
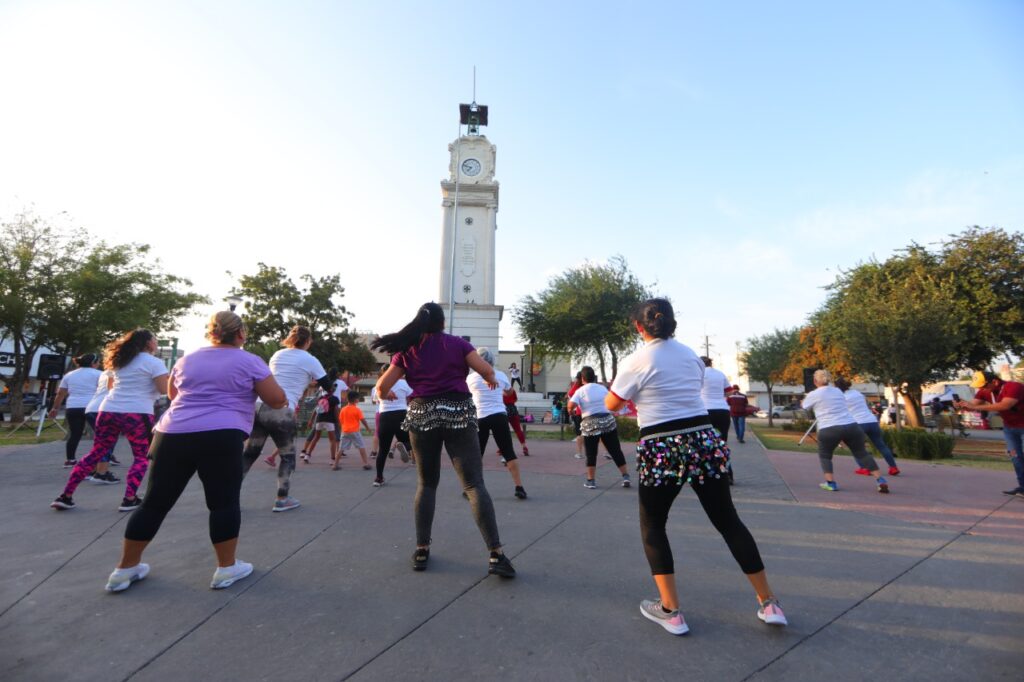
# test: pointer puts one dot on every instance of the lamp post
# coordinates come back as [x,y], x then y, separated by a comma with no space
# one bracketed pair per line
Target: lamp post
[531,385]
[233,301]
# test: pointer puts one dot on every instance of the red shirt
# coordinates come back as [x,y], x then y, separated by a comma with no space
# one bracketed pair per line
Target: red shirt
[1013,417]
[737,405]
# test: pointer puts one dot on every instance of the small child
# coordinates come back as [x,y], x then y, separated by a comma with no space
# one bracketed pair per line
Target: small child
[351,418]
[324,418]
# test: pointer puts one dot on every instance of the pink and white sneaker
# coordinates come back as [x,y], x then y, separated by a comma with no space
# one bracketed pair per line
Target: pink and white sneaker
[670,620]
[771,613]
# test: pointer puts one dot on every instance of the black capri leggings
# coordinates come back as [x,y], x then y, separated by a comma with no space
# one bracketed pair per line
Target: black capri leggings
[497,424]
[389,428]
[714,496]
[611,444]
[217,457]
[75,417]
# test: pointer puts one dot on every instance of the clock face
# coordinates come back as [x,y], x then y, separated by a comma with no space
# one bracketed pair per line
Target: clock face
[471,167]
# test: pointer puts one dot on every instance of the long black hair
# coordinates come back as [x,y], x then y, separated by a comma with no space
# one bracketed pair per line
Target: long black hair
[429,320]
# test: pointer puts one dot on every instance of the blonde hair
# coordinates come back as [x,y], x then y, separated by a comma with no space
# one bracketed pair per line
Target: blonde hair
[823,376]
[297,337]
[224,327]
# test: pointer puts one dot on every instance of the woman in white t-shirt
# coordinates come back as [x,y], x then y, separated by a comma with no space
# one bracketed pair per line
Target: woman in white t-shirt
[139,379]
[836,425]
[78,387]
[679,445]
[868,423]
[390,415]
[491,417]
[597,425]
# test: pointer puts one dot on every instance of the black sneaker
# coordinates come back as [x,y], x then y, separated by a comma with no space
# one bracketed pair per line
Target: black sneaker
[68,463]
[63,502]
[114,461]
[106,478]
[520,492]
[500,565]
[420,558]
[1015,491]
[130,505]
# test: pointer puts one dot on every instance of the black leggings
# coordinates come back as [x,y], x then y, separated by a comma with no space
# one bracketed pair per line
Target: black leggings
[611,444]
[75,417]
[389,428]
[721,421]
[217,457]
[714,496]
[497,424]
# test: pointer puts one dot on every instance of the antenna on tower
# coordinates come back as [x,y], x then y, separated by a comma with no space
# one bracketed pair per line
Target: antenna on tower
[474,82]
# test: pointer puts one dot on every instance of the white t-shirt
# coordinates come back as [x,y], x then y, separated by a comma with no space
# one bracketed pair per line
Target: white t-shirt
[513,372]
[294,369]
[402,391]
[80,385]
[858,407]
[829,407]
[340,389]
[590,399]
[488,401]
[100,391]
[664,380]
[134,391]
[713,391]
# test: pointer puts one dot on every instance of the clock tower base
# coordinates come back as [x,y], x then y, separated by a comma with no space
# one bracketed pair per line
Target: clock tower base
[478,324]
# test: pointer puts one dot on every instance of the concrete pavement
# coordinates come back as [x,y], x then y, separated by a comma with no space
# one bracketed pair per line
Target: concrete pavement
[922,584]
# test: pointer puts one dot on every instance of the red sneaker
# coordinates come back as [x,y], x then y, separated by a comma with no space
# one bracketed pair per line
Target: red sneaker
[894,471]
[526,451]
[862,472]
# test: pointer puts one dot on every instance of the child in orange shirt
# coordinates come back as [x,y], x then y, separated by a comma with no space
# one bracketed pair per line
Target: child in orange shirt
[351,417]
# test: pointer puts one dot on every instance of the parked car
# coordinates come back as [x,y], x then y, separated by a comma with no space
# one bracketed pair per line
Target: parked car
[29,400]
[791,411]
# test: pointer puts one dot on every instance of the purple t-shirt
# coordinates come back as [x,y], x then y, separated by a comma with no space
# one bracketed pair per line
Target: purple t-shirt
[216,390]
[437,365]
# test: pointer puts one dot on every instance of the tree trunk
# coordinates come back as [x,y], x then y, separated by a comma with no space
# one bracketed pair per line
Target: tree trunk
[615,361]
[912,399]
[23,355]
[770,422]
[600,363]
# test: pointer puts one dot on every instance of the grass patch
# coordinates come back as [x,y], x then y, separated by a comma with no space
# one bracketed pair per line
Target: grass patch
[27,434]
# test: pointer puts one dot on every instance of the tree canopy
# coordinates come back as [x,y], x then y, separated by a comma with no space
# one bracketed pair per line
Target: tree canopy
[767,357]
[274,304]
[584,313]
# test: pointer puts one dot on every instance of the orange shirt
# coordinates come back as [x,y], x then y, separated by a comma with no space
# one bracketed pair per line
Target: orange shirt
[351,415]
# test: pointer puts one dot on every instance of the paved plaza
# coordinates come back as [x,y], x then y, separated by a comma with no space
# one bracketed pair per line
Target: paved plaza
[922,584]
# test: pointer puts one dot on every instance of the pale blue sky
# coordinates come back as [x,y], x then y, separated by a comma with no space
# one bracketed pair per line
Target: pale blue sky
[736,154]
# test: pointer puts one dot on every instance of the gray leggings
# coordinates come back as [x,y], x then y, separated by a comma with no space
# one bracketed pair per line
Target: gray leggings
[463,448]
[853,437]
[279,426]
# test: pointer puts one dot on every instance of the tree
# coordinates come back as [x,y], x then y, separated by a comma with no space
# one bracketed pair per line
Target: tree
[584,312]
[274,304]
[810,350]
[72,293]
[766,359]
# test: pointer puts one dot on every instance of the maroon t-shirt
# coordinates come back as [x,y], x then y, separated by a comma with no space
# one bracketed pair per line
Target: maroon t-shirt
[737,405]
[436,365]
[1014,417]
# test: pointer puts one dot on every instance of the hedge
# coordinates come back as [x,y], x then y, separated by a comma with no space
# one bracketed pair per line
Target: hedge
[914,443]
[629,431]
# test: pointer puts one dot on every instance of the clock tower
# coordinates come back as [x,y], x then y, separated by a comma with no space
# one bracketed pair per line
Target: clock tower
[469,197]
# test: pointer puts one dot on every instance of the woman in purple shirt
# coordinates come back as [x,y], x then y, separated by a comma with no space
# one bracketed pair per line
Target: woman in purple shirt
[213,394]
[441,413]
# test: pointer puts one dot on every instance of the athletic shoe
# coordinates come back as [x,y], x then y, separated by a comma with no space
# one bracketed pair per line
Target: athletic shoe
[378,482]
[670,620]
[504,462]
[130,505]
[526,451]
[122,578]
[862,472]
[285,504]
[829,486]
[770,611]
[270,461]
[625,481]
[520,492]
[367,467]
[607,456]
[63,502]
[742,441]
[106,478]
[883,487]
[114,461]
[403,452]
[420,558]
[499,564]
[68,463]
[226,576]
[894,471]
[304,457]
[577,456]
[590,484]
[1014,492]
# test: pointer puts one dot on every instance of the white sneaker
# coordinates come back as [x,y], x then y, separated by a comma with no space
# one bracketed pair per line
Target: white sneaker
[228,576]
[122,578]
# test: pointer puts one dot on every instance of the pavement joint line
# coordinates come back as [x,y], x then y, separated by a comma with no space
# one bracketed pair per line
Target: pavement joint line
[61,566]
[472,586]
[250,585]
[964,533]
[782,478]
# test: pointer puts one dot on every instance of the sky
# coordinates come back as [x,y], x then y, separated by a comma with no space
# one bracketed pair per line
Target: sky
[737,155]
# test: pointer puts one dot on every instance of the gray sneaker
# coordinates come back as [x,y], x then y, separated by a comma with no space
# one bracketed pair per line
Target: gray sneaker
[285,504]
[403,452]
[590,484]
[671,621]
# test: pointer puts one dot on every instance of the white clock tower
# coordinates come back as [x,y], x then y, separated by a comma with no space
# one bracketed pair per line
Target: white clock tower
[470,200]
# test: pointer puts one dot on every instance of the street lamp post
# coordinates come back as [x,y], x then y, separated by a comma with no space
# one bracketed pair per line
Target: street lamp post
[233,301]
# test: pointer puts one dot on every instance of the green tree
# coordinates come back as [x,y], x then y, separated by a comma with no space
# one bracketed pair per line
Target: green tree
[72,293]
[584,313]
[274,304]
[766,359]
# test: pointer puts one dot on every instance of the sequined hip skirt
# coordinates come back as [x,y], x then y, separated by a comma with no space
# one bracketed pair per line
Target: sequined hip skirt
[440,412]
[596,424]
[690,455]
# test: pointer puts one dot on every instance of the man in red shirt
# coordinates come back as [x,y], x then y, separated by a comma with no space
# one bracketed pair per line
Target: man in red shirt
[1006,398]
[738,411]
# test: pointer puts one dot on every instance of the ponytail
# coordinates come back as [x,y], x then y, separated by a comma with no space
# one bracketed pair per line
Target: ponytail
[429,320]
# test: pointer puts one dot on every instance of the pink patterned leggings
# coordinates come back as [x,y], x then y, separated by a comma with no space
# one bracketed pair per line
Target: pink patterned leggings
[109,426]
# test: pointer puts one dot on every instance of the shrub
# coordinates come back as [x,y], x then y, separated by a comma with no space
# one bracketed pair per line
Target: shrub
[629,431]
[918,443]
[787,426]
[801,425]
